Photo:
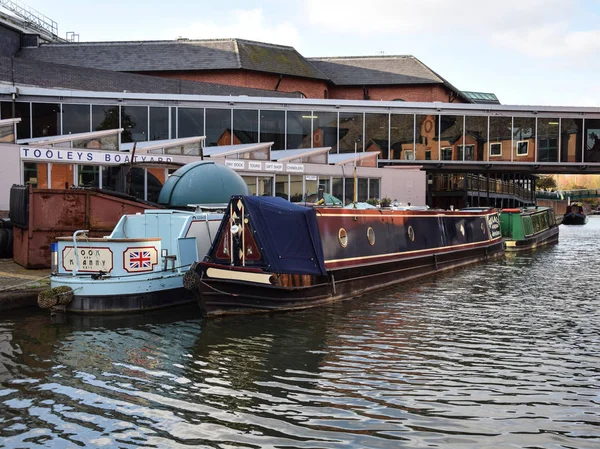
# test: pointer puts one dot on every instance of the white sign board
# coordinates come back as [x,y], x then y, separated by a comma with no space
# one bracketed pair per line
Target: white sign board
[235,164]
[87,259]
[273,166]
[295,168]
[80,156]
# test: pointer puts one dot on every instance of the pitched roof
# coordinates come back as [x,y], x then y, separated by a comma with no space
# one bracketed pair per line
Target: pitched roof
[51,75]
[178,55]
[380,70]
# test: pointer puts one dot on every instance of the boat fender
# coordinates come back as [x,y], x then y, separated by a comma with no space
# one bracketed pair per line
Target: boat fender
[192,280]
[57,296]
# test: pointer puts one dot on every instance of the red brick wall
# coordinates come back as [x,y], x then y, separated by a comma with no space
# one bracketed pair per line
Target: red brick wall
[242,78]
[312,88]
[425,92]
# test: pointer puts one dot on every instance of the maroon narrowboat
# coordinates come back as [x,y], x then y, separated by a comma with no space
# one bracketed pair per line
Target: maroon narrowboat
[273,255]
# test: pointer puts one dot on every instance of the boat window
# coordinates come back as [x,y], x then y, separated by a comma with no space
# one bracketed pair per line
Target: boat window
[411,233]
[343,237]
[371,235]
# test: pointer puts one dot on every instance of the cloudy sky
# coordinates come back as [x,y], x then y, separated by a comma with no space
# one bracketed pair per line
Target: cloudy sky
[527,52]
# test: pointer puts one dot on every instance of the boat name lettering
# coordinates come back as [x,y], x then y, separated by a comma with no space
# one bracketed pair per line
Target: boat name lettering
[494,225]
[54,154]
[87,259]
[235,164]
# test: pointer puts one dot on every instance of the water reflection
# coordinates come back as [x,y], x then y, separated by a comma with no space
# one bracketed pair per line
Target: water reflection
[504,354]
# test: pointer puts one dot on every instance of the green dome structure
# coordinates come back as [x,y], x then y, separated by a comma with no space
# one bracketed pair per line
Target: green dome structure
[202,182]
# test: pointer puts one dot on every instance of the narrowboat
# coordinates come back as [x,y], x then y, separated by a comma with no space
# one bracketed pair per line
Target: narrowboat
[576,214]
[272,255]
[526,228]
[138,267]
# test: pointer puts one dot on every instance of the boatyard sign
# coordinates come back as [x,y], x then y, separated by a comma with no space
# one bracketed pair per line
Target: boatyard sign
[87,259]
[74,155]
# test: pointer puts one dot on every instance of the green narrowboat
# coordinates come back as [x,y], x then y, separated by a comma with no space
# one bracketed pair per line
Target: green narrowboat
[528,227]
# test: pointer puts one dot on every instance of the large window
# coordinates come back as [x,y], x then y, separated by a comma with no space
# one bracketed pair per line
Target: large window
[548,132]
[592,140]
[376,134]
[325,130]
[476,134]
[427,136]
[45,119]
[245,126]
[218,127]
[30,174]
[22,111]
[107,117]
[402,134]
[500,133]
[88,176]
[351,132]
[190,122]
[272,128]
[298,130]
[135,120]
[159,123]
[524,138]
[76,118]
[571,139]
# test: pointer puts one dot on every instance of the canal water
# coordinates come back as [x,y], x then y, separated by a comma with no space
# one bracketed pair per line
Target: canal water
[504,354]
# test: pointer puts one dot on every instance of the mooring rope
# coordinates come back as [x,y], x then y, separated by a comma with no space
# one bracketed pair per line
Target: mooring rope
[12,287]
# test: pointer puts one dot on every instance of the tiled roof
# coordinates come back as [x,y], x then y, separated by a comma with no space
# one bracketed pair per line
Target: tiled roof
[380,70]
[179,55]
[373,70]
[51,75]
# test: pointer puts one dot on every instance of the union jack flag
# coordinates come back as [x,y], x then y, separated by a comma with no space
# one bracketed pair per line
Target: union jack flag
[140,259]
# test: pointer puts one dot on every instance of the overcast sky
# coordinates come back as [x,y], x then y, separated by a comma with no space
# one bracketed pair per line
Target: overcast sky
[527,52]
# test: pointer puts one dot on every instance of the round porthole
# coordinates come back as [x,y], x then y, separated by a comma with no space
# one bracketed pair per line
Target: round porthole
[343,237]
[411,233]
[371,235]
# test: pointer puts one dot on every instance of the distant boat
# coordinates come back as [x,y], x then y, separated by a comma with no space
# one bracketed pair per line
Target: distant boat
[528,227]
[576,214]
[273,255]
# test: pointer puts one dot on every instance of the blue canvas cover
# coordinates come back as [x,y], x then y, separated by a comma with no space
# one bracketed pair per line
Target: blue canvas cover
[288,233]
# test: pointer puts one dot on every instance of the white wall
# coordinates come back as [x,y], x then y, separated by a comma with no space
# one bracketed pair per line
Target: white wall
[10,172]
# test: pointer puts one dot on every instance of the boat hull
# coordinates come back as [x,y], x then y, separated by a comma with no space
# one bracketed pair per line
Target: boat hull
[122,295]
[547,237]
[575,219]
[225,291]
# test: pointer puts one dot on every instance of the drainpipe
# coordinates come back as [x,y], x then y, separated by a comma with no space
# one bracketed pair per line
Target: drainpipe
[279,81]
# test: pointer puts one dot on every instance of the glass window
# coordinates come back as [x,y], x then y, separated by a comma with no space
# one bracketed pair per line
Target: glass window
[76,118]
[351,132]
[571,137]
[337,188]
[376,130]
[500,132]
[135,120]
[402,134]
[446,153]
[159,123]
[272,128]
[245,126]
[190,122]
[476,134]
[218,127]
[495,149]
[23,112]
[451,134]
[282,186]
[174,123]
[374,188]
[427,136]
[547,134]
[325,133]
[465,152]
[61,176]
[311,187]
[30,173]
[251,183]
[348,191]
[45,119]
[88,175]
[296,188]
[326,183]
[592,140]
[363,189]
[107,117]
[114,178]
[298,130]
[524,138]
[265,186]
